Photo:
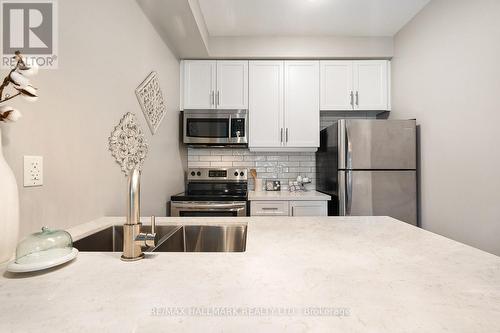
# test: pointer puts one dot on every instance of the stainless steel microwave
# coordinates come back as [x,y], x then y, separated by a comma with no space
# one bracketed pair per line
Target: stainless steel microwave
[215,127]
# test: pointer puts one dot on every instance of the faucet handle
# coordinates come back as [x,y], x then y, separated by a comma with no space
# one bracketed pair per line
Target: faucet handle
[150,239]
[145,239]
[153,224]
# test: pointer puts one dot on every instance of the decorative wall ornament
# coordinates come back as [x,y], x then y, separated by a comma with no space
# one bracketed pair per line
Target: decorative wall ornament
[128,144]
[151,100]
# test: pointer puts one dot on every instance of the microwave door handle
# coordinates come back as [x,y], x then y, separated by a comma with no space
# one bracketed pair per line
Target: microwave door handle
[229,134]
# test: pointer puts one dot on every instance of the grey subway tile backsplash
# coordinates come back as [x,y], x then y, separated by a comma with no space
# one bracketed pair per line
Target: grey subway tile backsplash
[281,166]
[211,158]
[232,158]
[198,164]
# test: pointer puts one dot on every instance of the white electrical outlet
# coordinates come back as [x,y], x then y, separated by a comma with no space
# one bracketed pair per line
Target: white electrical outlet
[33,171]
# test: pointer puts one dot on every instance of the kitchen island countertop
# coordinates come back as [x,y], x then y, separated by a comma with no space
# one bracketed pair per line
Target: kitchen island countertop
[298,274]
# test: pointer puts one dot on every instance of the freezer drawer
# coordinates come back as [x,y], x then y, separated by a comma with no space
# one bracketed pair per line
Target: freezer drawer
[377,144]
[376,193]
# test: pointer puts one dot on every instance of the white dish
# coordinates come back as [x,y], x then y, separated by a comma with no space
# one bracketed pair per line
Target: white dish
[33,265]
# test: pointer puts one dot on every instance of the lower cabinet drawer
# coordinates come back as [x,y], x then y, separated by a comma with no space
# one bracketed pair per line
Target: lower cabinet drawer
[268,208]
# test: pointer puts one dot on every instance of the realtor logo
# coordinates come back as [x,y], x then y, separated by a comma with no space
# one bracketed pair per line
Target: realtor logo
[29,27]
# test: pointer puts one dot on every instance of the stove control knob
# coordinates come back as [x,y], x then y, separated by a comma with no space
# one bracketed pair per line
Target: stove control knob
[192,173]
[242,174]
[198,173]
[236,173]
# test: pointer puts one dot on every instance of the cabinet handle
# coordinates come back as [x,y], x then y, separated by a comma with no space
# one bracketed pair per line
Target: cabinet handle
[357,98]
[218,98]
[286,134]
[212,98]
[281,135]
[352,99]
[269,208]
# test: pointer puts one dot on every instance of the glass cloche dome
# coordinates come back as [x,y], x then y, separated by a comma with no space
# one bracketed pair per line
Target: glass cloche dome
[44,246]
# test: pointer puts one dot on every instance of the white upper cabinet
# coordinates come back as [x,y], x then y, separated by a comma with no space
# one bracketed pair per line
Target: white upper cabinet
[284,105]
[199,83]
[232,84]
[371,85]
[301,104]
[210,84]
[265,103]
[355,85]
[336,85]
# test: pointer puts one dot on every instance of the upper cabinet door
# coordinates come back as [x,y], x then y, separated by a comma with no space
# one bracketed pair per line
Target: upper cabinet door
[371,85]
[302,103]
[232,84]
[265,104]
[336,85]
[199,84]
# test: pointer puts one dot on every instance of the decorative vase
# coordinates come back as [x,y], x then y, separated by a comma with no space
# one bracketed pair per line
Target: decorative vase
[9,209]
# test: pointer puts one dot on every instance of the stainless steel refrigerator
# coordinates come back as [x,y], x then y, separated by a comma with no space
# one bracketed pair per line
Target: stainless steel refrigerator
[369,168]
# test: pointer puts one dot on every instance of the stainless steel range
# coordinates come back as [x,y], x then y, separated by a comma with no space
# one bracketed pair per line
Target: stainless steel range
[213,192]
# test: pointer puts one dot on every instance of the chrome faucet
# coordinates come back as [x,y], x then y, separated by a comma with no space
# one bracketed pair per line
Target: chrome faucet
[133,239]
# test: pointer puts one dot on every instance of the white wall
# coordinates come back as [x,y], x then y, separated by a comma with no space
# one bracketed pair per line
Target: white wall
[300,47]
[177,25]
[106,49]
[446,74]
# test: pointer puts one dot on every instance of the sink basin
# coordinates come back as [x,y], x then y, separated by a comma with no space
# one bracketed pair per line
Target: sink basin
[173,238]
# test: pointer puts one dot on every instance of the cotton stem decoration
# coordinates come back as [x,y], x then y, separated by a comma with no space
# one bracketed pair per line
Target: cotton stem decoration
[18,78]
[128,144]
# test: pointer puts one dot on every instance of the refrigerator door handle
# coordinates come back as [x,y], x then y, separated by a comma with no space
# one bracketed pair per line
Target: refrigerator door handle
[348,195]
[348,148]
[341,144]
[342,193]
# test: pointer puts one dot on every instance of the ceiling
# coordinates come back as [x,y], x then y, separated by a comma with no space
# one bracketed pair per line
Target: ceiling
[349,18]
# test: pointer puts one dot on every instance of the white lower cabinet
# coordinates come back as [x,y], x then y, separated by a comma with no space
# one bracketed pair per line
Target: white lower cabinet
[288,208]
[308,208]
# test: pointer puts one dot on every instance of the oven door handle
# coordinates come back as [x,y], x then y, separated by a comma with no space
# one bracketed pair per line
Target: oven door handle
[197,209]
[194,206]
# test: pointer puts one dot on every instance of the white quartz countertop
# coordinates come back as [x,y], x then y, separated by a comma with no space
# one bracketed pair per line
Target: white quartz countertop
[383,275]
[287,195]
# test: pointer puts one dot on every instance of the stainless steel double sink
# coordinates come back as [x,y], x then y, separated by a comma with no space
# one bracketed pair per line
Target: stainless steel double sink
[173,238]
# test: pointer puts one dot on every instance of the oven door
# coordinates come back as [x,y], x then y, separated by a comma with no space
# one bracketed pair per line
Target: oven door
[208,208]
[215,127]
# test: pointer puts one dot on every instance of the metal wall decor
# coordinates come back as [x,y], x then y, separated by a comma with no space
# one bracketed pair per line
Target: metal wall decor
[151,100]
[128,144]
